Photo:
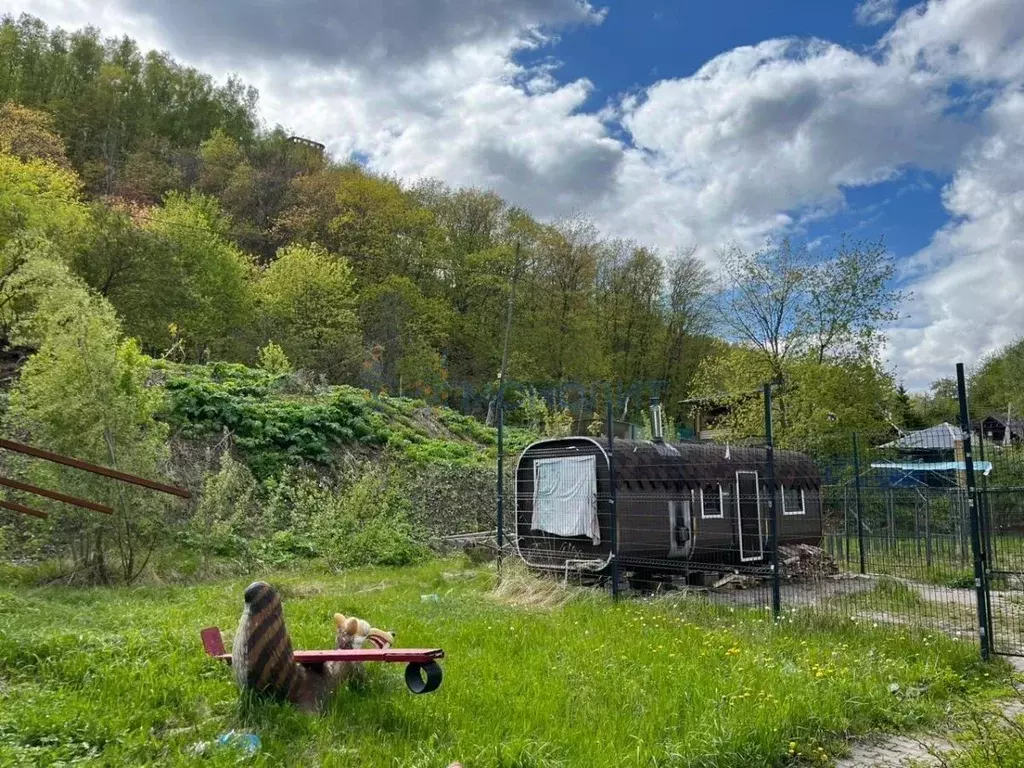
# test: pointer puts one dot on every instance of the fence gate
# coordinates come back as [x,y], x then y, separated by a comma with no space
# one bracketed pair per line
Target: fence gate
[1003,530]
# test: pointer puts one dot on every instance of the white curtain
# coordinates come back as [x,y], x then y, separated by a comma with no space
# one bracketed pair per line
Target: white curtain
[565,497]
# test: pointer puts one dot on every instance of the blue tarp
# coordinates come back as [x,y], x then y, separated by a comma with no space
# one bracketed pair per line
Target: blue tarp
[933,466]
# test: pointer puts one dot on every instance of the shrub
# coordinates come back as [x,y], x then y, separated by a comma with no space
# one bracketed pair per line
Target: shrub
[371,523]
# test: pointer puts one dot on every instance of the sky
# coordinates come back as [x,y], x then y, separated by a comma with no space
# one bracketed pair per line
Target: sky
[678,124]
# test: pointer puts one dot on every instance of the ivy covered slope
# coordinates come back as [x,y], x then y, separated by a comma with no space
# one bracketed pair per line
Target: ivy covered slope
[278,420]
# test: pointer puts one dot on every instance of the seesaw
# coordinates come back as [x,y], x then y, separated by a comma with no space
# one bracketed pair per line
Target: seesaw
[422,672]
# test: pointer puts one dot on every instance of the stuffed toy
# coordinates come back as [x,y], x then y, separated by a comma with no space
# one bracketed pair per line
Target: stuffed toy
[352,632]
[263,660]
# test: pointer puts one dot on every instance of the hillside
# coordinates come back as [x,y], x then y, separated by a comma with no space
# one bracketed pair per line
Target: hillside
[280,420]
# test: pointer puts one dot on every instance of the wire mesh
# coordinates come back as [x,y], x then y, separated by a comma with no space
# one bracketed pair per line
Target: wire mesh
[881,535]
[997,441]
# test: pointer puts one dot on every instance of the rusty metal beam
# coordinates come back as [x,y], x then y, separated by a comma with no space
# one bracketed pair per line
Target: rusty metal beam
[20,486]
[15,507]
[96,469]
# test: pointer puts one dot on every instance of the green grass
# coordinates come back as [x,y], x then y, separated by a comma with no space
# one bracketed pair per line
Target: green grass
[950,564]
[117,677]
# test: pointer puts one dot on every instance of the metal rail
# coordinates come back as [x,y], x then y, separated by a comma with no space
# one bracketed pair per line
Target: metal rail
[56,496]
[96,469]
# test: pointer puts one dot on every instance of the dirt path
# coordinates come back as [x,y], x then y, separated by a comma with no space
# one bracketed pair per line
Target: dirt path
[904,751]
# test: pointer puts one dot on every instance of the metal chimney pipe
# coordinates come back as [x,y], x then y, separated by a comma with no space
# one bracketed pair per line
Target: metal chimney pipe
[656,427]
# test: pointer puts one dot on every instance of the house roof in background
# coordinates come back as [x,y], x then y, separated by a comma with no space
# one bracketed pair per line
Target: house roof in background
[941,437]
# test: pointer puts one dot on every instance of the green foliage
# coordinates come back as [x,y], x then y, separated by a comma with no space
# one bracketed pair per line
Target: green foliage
[203,288]
[817,408]
[109,100]
[41,198]
[996,387]
[307,303]
[988,734]
[28,134]
[271,431]
[272,359]
[117,677]
[275,430]
[84,393]
[939,404]
[380,228]
[228,511]
[371,523]
[405,331]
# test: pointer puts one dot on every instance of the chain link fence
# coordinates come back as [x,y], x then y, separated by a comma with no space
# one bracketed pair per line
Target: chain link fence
[919,530]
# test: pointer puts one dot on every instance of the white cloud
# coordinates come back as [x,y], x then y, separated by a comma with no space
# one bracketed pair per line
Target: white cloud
[982,40]
[783,125]
[870,13]
[969,286]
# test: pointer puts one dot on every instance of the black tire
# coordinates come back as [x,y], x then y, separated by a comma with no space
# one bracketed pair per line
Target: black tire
[423,678]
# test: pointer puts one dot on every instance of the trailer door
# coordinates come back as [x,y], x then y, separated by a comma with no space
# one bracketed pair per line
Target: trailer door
[748,517]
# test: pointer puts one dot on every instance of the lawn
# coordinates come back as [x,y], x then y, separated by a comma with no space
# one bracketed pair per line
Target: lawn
[117,676]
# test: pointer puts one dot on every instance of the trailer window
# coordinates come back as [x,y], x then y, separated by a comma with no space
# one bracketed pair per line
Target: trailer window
[793,501]
[712,501]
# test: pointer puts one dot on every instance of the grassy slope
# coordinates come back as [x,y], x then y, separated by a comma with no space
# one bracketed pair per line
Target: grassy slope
[119,675]
[278,419]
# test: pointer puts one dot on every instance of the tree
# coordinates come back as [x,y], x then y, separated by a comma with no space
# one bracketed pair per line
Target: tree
[29,134]
[939,404]
[203,286]
[382,231]
[108,99]
[561,330]
[630,285]
[998,383]
[307,303]
[149,173]
[404,331]
[84,393]
[825,401]
[688,320]
[38,196]
[784,303]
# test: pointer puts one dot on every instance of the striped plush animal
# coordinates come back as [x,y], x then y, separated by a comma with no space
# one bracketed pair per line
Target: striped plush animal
[263,661]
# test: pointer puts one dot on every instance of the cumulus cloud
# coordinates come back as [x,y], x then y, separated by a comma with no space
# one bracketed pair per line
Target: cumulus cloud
[870,13]
[362,32]
[980,40]
[780,126]
[969,281]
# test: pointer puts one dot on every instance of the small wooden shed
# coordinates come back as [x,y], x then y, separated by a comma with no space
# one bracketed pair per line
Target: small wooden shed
[677,502]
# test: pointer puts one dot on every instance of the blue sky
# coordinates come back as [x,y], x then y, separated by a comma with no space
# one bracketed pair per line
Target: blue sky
[643,41]
[653,39]
[677,124]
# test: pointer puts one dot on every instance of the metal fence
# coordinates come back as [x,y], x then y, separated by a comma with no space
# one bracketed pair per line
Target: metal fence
[922,530]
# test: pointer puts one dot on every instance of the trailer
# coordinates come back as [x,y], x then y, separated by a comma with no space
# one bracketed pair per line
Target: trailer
[676,503]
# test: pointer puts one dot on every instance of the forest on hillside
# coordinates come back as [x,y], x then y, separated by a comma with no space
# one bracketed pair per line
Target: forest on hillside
[149,219]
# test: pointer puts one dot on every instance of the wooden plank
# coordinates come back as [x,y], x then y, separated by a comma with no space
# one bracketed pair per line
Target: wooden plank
[20,486]
[15,507]
[96,469]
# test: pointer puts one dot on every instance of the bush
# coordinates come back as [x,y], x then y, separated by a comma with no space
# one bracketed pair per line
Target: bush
[371,523]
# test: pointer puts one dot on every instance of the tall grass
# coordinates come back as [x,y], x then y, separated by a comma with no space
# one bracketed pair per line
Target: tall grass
[118,677]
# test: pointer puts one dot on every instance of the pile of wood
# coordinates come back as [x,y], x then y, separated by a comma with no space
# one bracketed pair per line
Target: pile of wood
[803,561]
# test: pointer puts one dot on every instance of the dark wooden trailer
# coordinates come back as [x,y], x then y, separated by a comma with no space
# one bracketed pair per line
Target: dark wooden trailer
[677,502]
